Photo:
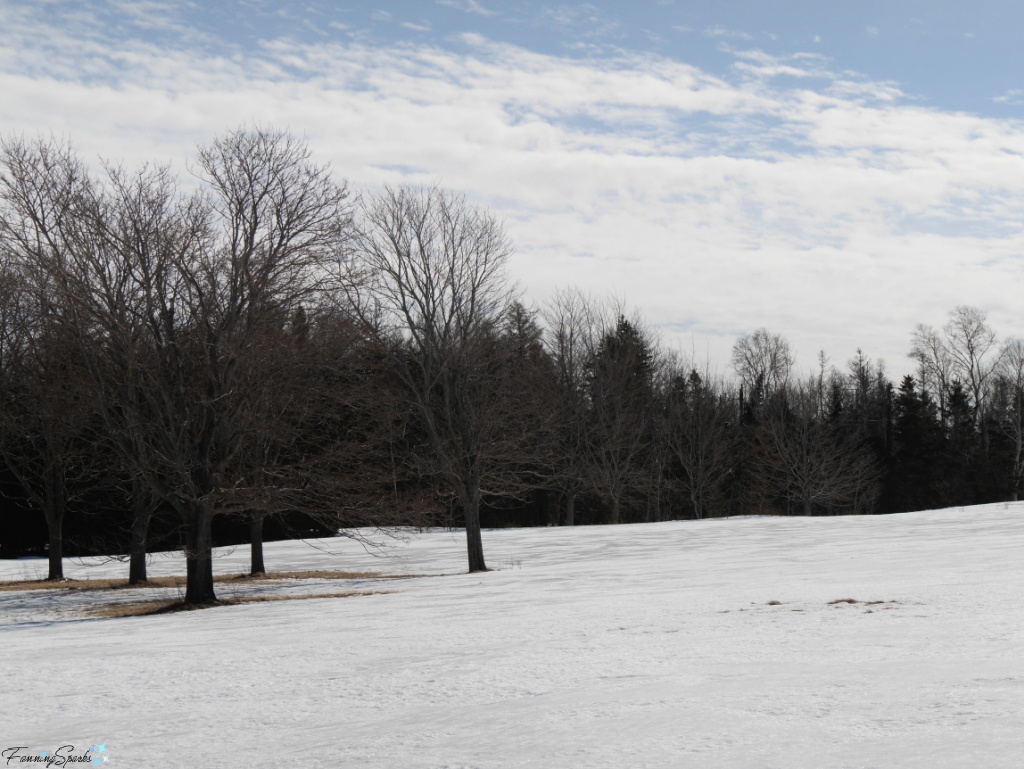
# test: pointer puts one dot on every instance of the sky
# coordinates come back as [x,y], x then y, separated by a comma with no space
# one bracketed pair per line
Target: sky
[836,172]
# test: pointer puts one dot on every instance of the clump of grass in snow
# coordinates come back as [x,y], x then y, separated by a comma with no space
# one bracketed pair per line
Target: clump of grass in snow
[148,608]
[154,582]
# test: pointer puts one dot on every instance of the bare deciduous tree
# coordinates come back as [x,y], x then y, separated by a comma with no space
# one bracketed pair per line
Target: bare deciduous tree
[437,293]
[169,296]
[962,352]
[699,419]
[969,340]
[570,331]
[935,365]
[763,361]
[47,439]
[809,461]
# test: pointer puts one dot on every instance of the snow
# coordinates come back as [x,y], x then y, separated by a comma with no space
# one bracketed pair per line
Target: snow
[628,646]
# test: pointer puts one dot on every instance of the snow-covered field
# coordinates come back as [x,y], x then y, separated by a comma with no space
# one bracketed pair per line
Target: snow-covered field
[630,646]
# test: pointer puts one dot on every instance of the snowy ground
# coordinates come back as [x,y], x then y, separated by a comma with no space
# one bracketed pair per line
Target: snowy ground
[630,646]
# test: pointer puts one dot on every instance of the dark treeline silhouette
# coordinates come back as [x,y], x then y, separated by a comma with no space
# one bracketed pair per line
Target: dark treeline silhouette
[263,354]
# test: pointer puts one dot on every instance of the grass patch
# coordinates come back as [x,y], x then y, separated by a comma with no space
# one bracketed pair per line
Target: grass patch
[158,582]
[149,608]
[322,574]
[87,584]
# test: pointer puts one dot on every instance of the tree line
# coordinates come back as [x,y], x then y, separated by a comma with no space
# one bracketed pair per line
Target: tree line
[257,343]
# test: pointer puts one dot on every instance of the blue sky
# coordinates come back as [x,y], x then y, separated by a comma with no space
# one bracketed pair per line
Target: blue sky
[837,172]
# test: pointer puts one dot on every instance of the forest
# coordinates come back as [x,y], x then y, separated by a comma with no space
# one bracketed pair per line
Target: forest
[258,350]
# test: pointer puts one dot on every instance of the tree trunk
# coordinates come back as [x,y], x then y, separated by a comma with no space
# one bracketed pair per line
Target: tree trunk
[807,507]
[570,509]
[56,553]
[256,543]
[1017,468]
[615,509]
[657,497]
[474,542]
[54,515]
[140,527]
[552,512]
[199,557]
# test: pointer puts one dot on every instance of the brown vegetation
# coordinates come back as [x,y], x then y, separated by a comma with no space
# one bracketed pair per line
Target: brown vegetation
[158,582]
[854,600]
[147,608]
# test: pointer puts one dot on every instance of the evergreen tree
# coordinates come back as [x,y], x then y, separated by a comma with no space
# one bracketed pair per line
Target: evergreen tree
[915,479]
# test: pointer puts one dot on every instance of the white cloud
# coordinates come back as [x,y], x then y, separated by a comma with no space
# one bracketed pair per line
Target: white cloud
[468,6]
[827,208]
[758,63]
[873,31]
[583,19]
[1012,96]
[424,27]
[719,31]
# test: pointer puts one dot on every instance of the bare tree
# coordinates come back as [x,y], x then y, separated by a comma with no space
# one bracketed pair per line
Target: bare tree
[969,340]
[437,293]
[935,364]
[700,422]
[327,444]
[170,295]
[763,361]
[47,438]
[808,461]
[962,352]
[569,338]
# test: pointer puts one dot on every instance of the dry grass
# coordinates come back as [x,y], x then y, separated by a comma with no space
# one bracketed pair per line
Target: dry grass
[148,608]
[321,574]
[854,600]
[87,584]
[156,582]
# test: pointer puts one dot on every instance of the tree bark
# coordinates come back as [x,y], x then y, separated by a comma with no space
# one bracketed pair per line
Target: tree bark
[56,552]
[570,509]
[199,557]
[256,543]
[54,515]
[474,541]
[615,509]
[137,562]
[657,503]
